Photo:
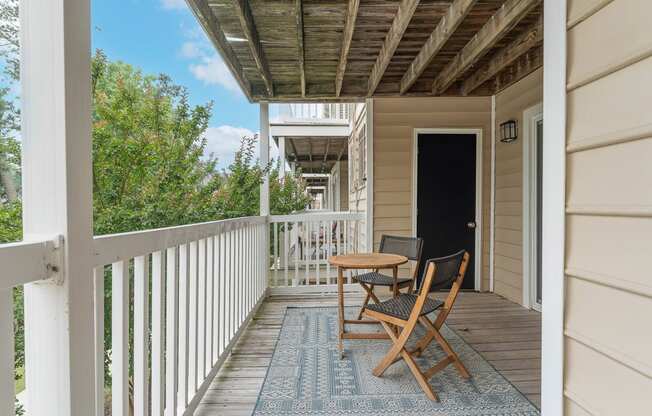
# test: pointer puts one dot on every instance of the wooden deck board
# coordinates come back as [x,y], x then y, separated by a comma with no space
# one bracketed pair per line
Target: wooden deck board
[507,335]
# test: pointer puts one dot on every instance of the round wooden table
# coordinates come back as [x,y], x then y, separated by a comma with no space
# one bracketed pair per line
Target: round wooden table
[371,261]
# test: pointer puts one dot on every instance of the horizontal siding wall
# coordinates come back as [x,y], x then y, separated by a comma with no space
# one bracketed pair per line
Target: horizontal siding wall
[608,324]
[508,247]
[394,122]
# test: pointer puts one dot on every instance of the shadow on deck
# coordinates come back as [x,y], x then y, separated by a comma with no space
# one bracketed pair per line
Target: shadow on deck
[507,335]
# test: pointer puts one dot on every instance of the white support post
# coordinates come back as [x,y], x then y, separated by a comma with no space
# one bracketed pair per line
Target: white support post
[264,157]
[281,157]
[554,204]
[57,200]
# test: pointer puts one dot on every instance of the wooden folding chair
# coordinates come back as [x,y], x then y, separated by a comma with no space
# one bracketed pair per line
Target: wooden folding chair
[406,310]
[410,247]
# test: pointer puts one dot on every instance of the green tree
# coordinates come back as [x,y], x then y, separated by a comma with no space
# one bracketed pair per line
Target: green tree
[149,167]
[239,195]
[9,38]
[9,115]
[9,148]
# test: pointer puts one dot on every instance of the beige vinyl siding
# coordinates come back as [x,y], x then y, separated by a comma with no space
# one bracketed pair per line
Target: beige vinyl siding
[608,364]
[394,122]
[508,245]
[344,186]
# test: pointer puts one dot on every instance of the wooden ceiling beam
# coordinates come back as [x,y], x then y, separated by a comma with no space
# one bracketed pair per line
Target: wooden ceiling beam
[345,147]
[400,23]
[455,14]
[302,60]
[294,149]
[213,30]
[330,158]
[349,27]
[328,148]
[524,65]
[498,25]
[529,39]
[251,33]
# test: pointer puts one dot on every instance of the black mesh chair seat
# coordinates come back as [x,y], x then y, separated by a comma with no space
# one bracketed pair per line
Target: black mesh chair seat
[379,279]
[401,307]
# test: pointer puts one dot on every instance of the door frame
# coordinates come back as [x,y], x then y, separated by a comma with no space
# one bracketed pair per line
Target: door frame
[531,116]
[478,187]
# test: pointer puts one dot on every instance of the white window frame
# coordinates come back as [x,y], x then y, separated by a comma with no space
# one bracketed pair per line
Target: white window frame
[531,116]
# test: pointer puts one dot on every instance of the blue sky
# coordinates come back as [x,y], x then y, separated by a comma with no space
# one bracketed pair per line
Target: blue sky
[162,36]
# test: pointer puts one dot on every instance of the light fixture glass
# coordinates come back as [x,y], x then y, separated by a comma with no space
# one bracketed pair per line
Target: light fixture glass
[508,131]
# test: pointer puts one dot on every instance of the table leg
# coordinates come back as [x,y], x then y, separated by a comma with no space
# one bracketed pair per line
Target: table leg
[395,271]
[340,301]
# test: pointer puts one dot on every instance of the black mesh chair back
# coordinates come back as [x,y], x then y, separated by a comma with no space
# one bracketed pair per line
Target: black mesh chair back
[409,247]
[446,272]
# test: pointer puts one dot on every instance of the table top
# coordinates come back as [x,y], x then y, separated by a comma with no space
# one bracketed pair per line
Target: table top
[367,260]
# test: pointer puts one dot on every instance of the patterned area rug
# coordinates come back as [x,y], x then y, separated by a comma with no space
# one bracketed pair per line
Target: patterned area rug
[307,377]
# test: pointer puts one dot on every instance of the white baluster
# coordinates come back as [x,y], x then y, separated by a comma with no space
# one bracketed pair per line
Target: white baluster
[286,246]
[158,339]
[7,392]
[210,304]
[184,325]
[192,348]
[98,308]
[120,339]
[141,335]
[172,333]
[201,311]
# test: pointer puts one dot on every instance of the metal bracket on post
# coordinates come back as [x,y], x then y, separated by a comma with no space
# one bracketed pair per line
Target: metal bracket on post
[53,261]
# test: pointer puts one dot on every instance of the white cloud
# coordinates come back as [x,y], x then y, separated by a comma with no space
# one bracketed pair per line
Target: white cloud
[174,4]
[213,71]
[224,141]
[190,50]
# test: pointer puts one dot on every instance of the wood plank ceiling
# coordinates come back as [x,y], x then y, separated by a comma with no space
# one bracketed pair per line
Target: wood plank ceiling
[316,154]
[347,50]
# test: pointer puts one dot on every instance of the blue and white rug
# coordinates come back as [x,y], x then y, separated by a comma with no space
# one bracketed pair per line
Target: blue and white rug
[307,377]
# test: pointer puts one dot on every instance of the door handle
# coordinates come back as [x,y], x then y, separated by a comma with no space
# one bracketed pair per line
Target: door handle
[470,224]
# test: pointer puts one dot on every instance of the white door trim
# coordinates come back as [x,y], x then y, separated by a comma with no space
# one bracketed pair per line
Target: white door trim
[530,118]
[478,188]
[554,201]
[369,114]
[492,208]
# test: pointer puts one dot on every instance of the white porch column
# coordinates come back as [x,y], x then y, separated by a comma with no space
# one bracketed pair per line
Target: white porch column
[281,156]
[264,156]
[57,200]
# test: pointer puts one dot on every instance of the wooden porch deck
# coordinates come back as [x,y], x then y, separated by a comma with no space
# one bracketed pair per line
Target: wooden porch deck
[507,335]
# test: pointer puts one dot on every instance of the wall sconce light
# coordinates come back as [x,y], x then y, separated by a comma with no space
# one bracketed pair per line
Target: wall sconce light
[508,131]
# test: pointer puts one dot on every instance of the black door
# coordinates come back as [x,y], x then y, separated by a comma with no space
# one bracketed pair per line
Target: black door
[446,197]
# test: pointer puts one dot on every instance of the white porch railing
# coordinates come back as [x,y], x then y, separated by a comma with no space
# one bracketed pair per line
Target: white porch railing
[300,247]
[22,263]
[203,282]
[315,111]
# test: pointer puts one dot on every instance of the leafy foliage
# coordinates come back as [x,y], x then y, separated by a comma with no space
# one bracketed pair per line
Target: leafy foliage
[148,147]
[150,169]
[9,38]
[286,195]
